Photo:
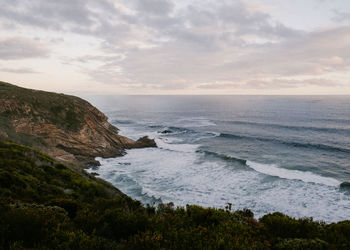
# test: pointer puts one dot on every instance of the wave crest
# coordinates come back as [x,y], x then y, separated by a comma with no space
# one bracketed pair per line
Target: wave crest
[274,170]
[288,143]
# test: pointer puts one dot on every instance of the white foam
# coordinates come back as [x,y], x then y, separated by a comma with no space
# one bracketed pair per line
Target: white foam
[214,134]
[179,177]
[207,135]
[171,140]
[194,122]
[274,170]
[176,147]
[175,173]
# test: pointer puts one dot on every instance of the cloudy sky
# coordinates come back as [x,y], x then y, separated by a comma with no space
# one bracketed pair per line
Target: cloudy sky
[177,46]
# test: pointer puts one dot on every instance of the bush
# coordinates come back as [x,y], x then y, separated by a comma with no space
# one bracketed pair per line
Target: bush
[69,205]
[30,224]
[338,234]
[299,244]
[280,225]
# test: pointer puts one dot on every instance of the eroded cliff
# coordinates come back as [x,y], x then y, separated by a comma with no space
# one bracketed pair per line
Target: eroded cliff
[65,127]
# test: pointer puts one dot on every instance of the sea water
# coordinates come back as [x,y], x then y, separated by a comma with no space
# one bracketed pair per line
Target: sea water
[266,153]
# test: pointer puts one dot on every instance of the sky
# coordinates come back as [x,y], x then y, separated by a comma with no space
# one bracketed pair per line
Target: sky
[254,47]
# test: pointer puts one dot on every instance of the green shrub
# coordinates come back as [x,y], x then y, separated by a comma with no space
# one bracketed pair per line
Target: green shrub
[69,205]
[338,234]
[30,224]
[281,225]
[301,244]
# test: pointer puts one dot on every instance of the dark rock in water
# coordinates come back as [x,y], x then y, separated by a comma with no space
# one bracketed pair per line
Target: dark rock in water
[166,131]
[95,167]
[90,163]
[94,174]
[144,142]
[345,184]
[124,163]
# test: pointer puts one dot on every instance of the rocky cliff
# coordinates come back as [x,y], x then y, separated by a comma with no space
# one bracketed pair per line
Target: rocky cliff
[65,127]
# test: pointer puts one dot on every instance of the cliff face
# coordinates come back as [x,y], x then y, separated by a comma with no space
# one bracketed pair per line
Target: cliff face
[65,127]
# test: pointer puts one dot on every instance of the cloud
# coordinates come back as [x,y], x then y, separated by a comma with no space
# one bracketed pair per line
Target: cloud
[15,48]
[168,44]
[172,47]
[332,61]
[311,54]
[219,85]
[276,83]
[154,7]
[19,70]
[257,23]
[150,19]
[290,83]
[341,16]
[45,14]
[174,63]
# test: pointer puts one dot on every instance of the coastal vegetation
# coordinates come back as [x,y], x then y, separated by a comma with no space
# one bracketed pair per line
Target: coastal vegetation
[45,204]
[65,111]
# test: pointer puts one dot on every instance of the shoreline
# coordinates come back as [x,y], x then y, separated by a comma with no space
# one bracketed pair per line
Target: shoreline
[146,195]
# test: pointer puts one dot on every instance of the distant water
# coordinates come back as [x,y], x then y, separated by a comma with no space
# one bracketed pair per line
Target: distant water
[287,154]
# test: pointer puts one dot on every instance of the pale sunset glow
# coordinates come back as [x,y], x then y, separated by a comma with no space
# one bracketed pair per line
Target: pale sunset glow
[258,47]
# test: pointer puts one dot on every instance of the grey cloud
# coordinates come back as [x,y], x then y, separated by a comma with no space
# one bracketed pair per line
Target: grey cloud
[279,30]
[296,57]
[176,64]
[155,7]
[216,24]
[20,48]
[57,40]
[161,44]
[104,20]
[218,85]
[108,59]
[19,70]
[237,13]
[322,82]
[200,18]
[289,83]
[45,14]
[100,19]
[301,57]
[247,22]
[341,16]
[277,83]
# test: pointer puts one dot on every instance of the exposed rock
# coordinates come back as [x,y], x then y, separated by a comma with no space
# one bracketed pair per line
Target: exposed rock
[144,142]
[124,163]
[166,131]
[65,127]
[345,184]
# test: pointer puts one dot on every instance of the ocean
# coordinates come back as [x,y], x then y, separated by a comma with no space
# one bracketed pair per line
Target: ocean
[265,153]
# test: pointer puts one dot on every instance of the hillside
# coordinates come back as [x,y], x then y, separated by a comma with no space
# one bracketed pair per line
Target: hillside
[65,127]
[45,204]
[48,201]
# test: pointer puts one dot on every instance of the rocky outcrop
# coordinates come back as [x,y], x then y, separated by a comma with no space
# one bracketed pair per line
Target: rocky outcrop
[144,142]
[65,127]
[345,185]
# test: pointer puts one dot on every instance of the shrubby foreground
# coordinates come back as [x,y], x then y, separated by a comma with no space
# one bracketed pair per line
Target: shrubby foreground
[48,205]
